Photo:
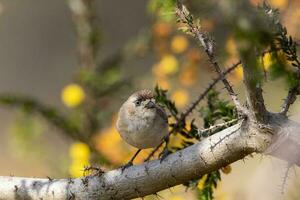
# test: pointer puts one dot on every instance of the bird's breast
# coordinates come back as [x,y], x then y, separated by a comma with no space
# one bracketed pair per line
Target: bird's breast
[144,132]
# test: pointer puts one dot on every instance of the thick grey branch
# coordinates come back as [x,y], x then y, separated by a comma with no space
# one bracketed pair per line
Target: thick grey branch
[252,80]
[218,150]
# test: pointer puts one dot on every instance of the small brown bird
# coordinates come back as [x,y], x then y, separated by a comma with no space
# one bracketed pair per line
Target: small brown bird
[141,122]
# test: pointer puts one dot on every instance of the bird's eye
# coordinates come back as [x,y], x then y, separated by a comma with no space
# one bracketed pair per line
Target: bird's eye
[137,103]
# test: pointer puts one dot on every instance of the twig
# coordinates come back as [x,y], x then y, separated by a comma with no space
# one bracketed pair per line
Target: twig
[203,95]
[214,129]
[290,99]
[208,45]
[49,113]
[84,19]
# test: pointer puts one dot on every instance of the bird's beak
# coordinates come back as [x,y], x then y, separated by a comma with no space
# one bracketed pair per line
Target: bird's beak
[150,105]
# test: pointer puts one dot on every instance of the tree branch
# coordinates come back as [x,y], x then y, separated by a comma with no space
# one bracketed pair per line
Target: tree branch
[84,19]
[208,45]
[51,114]
[212,153]
[254,94]
[290,99]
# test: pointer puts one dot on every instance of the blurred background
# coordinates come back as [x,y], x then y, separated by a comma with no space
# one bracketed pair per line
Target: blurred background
[67,66]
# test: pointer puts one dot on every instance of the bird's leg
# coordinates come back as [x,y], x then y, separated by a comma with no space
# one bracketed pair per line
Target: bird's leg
[130,163]
[166,151]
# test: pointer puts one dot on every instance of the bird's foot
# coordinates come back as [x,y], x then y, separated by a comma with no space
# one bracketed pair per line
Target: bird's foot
[164,154]
[129,164]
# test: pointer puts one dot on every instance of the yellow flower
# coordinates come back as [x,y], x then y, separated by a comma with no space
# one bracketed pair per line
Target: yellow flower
[179,44]
[193,55]
[77,168]
[231,47]
[72,95]
[79,151]
[168,65]
[239,72]
[189,75]
[267,61]
[226,169]
[163,83]
[110,144]
[161,29]
[200,185]
[180,97]
[279,3]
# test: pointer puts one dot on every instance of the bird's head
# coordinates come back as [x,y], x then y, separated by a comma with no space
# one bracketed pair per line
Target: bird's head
[141,103]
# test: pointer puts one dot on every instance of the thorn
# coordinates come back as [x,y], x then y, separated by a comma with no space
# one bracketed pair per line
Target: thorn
[71,196]
[158,196]
[50,179]
[127,165]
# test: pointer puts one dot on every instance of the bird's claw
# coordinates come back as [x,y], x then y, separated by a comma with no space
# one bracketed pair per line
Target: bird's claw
[129,164]
[164,154]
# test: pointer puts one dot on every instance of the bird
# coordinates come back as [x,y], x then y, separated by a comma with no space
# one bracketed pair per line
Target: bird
[142,122]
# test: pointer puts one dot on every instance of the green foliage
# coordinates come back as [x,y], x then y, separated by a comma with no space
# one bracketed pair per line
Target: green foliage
[105,79]
[25,130]
[161,98]
[52,115]
[216,110]
[163,9]
[211,181]
[282,41]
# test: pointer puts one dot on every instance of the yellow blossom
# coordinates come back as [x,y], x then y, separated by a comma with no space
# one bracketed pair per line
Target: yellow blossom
[80,151]
[239,72]
[77,168]
[168,65]
[231,47]
[72,95]
[109,143]
[180,97]
[200,185]
[189,75]
[179,44]
[279,3]
[163,83]
[161,29]
[267,61]
[193,55]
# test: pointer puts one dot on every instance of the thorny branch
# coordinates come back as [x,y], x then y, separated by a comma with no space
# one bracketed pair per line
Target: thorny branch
[288,45]
[151,177]
[85,22]
[214,129]
[290,99]
[51,114]
[208,45]
[84,19]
